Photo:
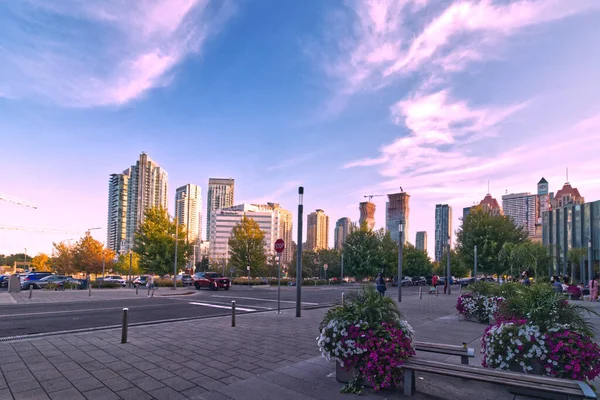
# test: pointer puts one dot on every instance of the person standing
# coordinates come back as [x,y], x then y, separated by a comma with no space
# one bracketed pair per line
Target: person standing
[380,285]
[150,284]
[556,285]
[594,288]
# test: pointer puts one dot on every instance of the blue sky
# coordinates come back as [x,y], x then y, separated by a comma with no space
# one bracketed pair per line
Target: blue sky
[347,98]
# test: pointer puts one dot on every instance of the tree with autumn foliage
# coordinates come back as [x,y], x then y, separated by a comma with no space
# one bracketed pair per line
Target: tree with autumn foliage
[89,254]
[62,258]
[42,263]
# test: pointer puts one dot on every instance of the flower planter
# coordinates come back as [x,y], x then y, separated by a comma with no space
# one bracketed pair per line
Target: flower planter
[343,376]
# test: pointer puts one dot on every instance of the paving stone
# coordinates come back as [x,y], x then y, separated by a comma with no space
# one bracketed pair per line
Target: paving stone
[54,385]
[230,379]
[67,366]
[134,393]
[207,382]
[5,394]
[101,394]
[46,374]
[118,383]
[132,374]
[159,373]
[87,384]
[178,383]
[214,373]
[194,393]
[23,385]
[167,393]
[118,366]
[40,366]
[240,373]
[105,374]
[76,374]
[35,394]
[71,394]
[187,373]
[148,383]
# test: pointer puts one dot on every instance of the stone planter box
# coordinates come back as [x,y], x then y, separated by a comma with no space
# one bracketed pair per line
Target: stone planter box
[343,376]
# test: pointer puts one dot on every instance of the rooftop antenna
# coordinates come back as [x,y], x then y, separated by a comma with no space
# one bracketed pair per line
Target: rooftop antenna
[488,187]
[567,174]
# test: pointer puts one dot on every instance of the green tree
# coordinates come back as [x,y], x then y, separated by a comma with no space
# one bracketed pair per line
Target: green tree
[489,232]
[42,263]
[247,247]
[154,241]
[122,264]
[362,253]
[415,262]
[310,265]
[333,259]
[457,267]
[202,265]
[388,254]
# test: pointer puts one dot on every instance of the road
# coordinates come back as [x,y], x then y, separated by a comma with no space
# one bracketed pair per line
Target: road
[28,319]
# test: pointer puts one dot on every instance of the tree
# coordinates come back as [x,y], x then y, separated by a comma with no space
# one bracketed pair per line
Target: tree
[388,254]
[489,232]
[87,255]
[457,268]
[62,258]
[154,241]
[333,259]
[202,265]
[247,247]
[122,264]
[310,265]
[415,262]
[362,252]
[42,263]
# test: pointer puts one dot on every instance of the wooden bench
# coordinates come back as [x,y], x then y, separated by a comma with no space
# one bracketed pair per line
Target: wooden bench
[528,384]
[463,351]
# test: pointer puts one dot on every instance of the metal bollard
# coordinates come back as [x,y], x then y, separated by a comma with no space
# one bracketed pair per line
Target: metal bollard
[420,293]
[342,298]
[233,313]
[124,327]
[137,287]
[30,290]
[436,291]
[90,288]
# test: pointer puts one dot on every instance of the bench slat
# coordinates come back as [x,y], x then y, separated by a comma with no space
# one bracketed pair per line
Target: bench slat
[445,349]
[507,381]
[494,372]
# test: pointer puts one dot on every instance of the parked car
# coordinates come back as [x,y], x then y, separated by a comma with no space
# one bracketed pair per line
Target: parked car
[407,281]
[211,280]
[419,281]
[29,278]
[466,281]
[43,283]
[4,280]
[140,281]
[186,279]
[116,279]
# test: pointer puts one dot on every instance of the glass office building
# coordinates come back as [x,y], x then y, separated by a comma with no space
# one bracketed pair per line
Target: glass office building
[572,226]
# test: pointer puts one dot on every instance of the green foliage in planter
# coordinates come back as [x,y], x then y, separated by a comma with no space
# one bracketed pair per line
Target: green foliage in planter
[508,290]
[482,288]
[541,306]
[367,305]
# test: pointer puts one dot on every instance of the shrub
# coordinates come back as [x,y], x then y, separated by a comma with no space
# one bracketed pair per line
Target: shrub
[163,282]
[105,285]
[253,281]
[483,308]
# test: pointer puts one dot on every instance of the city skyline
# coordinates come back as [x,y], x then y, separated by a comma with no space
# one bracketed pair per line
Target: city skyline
[439,106]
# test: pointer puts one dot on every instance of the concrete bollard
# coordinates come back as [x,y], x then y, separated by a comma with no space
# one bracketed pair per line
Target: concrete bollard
[89,288]
[30,290]
[233,313]
[343,298]
[420,293]
[124,327]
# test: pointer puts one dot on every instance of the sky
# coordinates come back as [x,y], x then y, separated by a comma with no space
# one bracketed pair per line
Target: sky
[346,98]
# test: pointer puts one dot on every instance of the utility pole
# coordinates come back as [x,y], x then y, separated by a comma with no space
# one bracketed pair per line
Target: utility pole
[448,269]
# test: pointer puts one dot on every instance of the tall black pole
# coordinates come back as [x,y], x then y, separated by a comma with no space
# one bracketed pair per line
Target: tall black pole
[299,255]
[400,248]
[448,269]
[130,266]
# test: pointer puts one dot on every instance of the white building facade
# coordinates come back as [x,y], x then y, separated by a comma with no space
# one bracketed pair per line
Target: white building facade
[188,206]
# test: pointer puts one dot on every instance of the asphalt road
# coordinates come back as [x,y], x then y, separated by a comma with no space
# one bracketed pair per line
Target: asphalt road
[27,319]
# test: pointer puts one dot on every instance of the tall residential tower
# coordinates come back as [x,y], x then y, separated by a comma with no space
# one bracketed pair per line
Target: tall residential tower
[421,242]
[342,229]
[443,229]
[188,210]
[219,195]
[317,231]
[397,212]
[367,214]
[116,228]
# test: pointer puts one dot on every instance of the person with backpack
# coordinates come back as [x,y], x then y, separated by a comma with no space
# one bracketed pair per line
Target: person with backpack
[594,288]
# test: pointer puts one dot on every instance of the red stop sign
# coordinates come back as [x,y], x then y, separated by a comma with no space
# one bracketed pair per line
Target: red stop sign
[279,245]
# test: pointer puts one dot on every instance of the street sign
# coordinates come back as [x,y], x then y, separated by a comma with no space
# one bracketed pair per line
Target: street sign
[325,266]
[248,268]
[279,245]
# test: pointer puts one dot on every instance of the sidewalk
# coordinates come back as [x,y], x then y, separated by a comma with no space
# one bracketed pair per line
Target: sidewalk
[267,356]
[52,296]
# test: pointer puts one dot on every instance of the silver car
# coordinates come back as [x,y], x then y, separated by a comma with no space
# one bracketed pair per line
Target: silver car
[43,283]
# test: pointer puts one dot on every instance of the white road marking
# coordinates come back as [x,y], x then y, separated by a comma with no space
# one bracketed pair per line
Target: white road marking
[255,298]
[75,311]
[219,306]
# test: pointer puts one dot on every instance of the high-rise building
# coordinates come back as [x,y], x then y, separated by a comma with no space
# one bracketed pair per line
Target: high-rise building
[219,195]
[317,230]
[147,188]
[116,228]
[574,225]
[466,211]
[188,205]
[273,220]
[421,242]
[398,211]
[491,204]
[342,229]
[522,208]
[566,195]
[367,214]
[443,229]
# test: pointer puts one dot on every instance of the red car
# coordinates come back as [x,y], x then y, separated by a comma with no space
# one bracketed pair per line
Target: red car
[211,280]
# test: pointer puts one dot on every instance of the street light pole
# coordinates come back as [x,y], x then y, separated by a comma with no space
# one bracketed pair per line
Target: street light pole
[130,266]
[299,255]
[400,248]
[448,269]
[176,232]
[342,281]
[590,258]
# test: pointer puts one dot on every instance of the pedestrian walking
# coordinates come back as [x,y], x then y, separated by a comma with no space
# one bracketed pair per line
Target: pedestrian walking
[594,288]
[556,285]
[150,284]
[380,284]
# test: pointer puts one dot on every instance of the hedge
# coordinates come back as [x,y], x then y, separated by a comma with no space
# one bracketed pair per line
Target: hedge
[161,282]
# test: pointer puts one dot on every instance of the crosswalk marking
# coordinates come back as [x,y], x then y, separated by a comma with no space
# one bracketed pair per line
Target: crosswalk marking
[259,299]
[219,306]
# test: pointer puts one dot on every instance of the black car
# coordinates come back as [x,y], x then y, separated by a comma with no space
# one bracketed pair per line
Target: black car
[419,281]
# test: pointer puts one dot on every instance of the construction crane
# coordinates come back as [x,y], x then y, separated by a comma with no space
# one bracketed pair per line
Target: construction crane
[38,229]
[370,196]
[12,199]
